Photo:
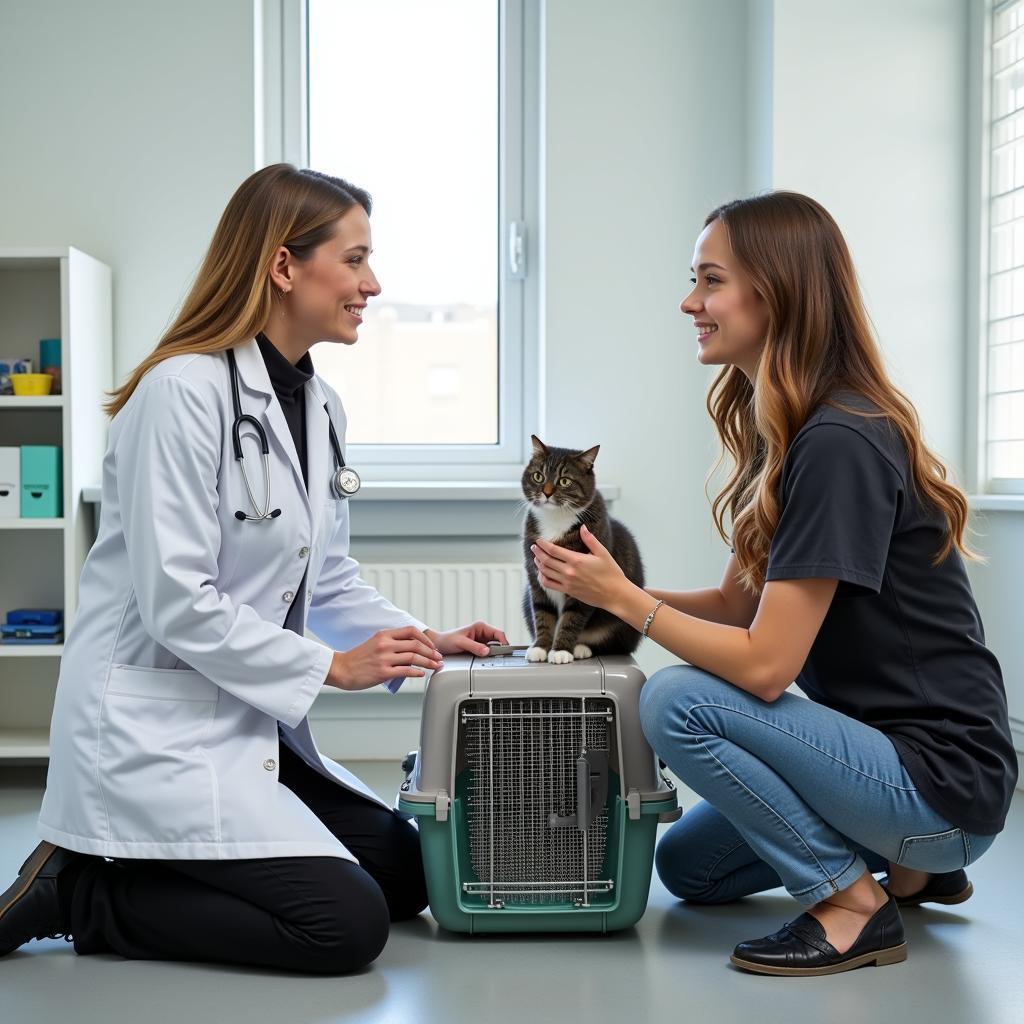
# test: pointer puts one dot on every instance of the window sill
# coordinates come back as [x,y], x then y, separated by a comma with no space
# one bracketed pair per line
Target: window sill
[453,490]
[996,502]
[446,508]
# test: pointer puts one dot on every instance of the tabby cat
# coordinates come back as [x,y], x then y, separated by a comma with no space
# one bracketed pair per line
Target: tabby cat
[561,493]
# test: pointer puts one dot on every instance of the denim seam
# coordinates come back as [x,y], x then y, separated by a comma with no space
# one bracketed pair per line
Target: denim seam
[831,879]
[799,739]
[772,810]
[732,849]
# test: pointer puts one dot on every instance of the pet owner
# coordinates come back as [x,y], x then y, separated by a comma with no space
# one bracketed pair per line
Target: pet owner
[180,743]
[846,576]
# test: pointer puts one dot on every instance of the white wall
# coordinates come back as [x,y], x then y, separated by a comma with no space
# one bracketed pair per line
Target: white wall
[869,118]
[997,587]
[124,129]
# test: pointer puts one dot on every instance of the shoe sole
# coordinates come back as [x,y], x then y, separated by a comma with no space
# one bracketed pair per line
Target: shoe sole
[879,958]
[26,876]
[947,901]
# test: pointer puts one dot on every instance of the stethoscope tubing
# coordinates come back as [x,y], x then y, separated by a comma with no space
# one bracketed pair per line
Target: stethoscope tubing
[342,472]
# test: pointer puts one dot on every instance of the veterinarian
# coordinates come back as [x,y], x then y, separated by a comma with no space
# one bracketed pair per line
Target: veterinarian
[847,576]
[188,814]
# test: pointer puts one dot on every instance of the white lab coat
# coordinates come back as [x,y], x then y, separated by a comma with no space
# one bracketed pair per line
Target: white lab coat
[176,671]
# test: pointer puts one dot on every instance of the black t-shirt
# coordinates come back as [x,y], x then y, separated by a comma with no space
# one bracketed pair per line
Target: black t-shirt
[902,646]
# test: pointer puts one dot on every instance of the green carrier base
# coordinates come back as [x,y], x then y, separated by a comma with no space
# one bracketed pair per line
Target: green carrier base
[628,860]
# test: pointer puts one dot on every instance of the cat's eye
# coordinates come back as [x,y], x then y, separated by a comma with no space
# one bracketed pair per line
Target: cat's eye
[565,482]
[538,478]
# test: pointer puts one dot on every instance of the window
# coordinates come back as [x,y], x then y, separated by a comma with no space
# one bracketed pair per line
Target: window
[1003,391]
[429,105]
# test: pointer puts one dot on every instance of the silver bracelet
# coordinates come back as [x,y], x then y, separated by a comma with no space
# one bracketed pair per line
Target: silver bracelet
[650,618]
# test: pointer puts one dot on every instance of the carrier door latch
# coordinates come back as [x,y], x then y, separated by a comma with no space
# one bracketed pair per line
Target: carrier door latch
[441,804]
[591,791]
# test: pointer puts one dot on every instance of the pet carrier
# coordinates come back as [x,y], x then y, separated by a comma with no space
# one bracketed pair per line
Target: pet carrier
[536,794]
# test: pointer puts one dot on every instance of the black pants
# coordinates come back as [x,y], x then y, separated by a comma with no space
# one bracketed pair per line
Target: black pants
[317,914]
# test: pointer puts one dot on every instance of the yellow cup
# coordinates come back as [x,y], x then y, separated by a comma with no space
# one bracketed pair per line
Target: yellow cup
[31,383]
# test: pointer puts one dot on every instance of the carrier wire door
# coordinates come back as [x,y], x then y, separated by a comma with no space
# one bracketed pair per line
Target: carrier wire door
[536,803]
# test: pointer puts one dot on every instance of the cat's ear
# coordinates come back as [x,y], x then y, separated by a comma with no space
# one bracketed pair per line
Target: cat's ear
[588,457]
[538,445]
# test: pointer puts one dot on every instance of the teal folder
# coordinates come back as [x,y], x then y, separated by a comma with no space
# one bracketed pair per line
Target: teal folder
[41,496]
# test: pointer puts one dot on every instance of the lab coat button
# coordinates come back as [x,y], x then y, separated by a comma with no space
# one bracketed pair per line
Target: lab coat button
[303,552]
[270,764]
[287,597]
[309,595]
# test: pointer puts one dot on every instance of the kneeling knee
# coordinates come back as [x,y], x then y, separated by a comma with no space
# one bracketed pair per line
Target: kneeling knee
[353,929]
[668,695]
[677,874]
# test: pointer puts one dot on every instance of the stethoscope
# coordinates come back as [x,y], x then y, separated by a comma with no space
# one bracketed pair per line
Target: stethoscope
[344,481]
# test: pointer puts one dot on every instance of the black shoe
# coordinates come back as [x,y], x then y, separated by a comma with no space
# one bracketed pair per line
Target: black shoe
[30,908]
[801,949]
[950,888]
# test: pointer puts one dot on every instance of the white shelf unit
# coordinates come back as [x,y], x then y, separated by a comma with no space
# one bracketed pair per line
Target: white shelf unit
[49,293]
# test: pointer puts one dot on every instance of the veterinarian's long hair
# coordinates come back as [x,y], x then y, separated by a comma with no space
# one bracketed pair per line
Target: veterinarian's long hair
[232,297]
[818,340]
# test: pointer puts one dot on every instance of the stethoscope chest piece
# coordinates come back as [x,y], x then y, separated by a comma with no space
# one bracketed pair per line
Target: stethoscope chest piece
[345,482]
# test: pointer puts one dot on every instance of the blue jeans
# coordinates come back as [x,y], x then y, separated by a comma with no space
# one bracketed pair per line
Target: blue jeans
[796,794]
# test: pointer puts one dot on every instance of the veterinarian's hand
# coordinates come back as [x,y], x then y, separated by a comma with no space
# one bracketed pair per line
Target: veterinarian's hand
[470,639]
[391,652]
[593,578]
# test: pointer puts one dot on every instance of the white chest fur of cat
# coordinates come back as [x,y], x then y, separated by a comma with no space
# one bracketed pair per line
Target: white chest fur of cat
[554,524]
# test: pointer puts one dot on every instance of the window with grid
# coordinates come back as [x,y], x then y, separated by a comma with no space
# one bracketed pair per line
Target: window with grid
[420,102]
[1004,355]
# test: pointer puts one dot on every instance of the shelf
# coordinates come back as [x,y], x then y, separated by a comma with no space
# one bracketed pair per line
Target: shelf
[31,524]
[31,402]
[31,650]
[24,743]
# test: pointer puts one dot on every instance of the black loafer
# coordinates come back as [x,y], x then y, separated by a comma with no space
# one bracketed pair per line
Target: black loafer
[949,888]
[30,908]
[801,949]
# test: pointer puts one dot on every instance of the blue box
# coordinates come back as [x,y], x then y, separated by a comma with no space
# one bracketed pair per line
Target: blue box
[35,617]
[41,492]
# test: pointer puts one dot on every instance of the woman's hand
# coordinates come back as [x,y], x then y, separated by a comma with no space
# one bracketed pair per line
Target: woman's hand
[467,640]
[593,578]
[387,654]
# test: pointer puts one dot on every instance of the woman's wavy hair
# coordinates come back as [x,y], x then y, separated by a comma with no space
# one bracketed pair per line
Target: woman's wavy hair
[232,297]
[819,341]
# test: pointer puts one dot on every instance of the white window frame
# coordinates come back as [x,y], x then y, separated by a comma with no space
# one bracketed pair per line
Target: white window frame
[979,121]
[282,125]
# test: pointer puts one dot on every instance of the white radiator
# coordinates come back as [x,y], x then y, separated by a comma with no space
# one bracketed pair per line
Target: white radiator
[450,594]
[444,596]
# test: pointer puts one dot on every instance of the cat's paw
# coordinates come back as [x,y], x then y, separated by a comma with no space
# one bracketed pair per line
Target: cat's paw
[582,651]
[536,654]
[560,657]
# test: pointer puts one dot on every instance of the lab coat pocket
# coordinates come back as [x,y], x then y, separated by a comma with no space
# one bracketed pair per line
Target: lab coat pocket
[157,781]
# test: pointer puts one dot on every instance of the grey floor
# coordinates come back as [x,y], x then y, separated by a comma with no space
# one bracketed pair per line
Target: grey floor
[965,964]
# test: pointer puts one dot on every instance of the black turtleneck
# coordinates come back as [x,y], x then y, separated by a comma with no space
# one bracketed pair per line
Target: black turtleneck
[290,387]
